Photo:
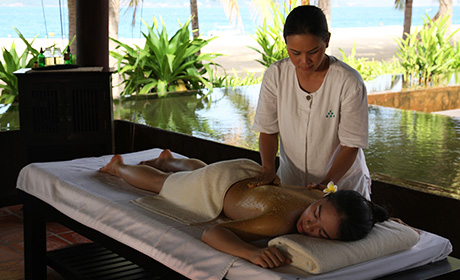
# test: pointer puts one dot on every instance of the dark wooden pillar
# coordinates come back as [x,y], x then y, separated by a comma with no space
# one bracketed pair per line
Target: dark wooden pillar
[92,21]
[34,240]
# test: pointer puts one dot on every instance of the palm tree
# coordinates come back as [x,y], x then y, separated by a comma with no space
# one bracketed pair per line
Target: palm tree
[194,13]
[445,9]
[407,6]
[232,10]
[72,23]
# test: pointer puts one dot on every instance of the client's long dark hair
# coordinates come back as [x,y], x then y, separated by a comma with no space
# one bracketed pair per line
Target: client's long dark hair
[358,214]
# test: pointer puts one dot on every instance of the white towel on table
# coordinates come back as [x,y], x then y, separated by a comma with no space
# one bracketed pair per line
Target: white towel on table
[316,255]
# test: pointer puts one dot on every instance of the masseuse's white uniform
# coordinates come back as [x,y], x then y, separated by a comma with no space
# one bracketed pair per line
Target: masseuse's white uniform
[312,126]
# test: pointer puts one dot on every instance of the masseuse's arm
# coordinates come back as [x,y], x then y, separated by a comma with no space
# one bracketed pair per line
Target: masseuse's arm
[268,147]
[233,237]
[342,163]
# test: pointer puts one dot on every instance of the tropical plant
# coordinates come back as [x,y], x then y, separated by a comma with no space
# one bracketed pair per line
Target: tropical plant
[214,79]
[369,69]
[236,80]
[270,38]
[362,65]
[427,55]
[12,62]
[164,64]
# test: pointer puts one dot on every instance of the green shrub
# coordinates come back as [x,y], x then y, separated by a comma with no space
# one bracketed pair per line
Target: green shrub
[236,80]
[270,38]
[165,64]
[369,69]
[12,62]
[427,56]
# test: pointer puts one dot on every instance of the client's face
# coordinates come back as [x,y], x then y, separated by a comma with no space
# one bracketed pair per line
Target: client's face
[320,220]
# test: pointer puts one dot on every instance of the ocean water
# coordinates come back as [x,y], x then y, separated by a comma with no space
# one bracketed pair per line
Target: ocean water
[33,20]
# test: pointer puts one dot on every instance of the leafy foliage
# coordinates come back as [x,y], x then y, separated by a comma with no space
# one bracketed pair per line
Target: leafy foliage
[165,64]
[236,80]
[427,55]
[12,62]
[270,38]
[369,69]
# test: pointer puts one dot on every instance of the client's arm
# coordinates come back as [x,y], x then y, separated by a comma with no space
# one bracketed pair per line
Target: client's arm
[234,237]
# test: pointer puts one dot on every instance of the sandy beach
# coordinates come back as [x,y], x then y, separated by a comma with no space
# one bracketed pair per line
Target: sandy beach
[373,43]
[376,43]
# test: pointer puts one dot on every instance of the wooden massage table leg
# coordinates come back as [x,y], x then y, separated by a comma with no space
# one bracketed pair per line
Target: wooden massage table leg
[34,240]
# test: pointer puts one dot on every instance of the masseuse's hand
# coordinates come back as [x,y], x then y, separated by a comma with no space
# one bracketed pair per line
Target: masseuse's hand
[269,257]
[398,220]
[265,178]
[315,186]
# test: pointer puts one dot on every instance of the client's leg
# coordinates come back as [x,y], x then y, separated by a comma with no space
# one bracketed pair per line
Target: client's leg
[140,176]
[168,163]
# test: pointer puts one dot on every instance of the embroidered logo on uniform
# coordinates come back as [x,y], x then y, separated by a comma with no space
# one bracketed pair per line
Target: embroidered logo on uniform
[330,114]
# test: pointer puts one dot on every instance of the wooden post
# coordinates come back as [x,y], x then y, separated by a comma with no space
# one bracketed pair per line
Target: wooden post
[92,20]
[34,240]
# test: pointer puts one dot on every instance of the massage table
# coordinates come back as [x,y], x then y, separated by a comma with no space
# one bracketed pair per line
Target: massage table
[98,206]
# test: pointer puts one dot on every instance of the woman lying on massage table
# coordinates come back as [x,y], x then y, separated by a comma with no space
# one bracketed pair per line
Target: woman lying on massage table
[261,212]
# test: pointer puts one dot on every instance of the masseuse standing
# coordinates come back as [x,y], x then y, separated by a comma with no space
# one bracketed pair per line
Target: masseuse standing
[317,106]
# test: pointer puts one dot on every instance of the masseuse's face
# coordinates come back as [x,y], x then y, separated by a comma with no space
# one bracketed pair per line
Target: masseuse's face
[320,220]
[307,52]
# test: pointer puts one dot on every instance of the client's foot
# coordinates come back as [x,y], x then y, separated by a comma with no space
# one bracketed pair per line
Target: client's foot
[112,166]
[158,162]
[166,154]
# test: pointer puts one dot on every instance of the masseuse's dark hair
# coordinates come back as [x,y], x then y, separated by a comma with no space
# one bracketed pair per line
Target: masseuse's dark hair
[358,215]
[306,20]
